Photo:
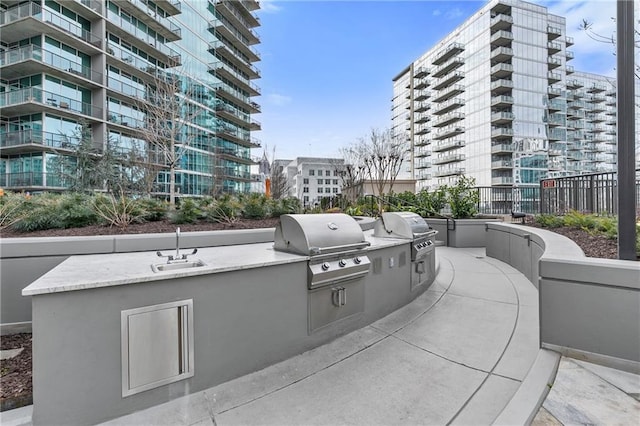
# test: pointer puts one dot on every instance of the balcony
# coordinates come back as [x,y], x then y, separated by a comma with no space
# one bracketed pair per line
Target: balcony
[557,134]
[447,53]
[421,72]
[553,32]
[420,95]
[576,104]
[498,132]
[501,70]
[555,120]
[447,119]
[596,98]
[502,164]
[553,47]
[232,114]
[448,80]
[29,59]
[569,69]
[501,54]
[448,132]
[172,7]
[235,76]
[28,20]
[448,92]
[421,106]
[557,105]
[450,171]
[236,96]
[447,145]
[502,117]
[31,100]
[501,22]
[569,41]
[553,62]
[422,151]
[149,17]
[569,55]
[597,118]
[553,77]
[448,66]
[502,38]
[422,118]
[421,83]
[447,106]
[502,180]
[554,92]
[422,129]
[451,158]
[235,38]
[25,141]
[501,86]
[423,141]
[574,84]
[421,163]
[238,16]
[501,101]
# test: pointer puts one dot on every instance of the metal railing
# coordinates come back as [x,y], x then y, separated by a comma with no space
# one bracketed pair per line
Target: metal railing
[590,193]
[496,200]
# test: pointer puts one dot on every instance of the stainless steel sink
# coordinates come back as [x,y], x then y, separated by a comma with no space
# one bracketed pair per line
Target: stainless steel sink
[177,266]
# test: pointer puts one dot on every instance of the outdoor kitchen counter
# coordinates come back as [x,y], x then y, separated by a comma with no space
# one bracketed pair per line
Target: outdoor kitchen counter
[106,270]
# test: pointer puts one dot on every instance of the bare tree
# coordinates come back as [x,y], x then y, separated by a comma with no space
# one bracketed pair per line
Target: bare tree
[587,27]
[351,173]
[382,159]
[279,184]
[167,124]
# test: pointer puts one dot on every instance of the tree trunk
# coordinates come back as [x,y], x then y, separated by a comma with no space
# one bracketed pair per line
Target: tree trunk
[172,187]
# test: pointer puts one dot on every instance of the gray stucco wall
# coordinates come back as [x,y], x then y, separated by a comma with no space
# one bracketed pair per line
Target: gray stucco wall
[243,321]
[23,260]
[589,307]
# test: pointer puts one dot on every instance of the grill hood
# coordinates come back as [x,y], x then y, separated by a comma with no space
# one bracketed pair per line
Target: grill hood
[401,225]
[314,234]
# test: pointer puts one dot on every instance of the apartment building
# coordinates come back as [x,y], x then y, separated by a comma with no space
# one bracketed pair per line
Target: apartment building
[498,100]
[310,178]
[72,66]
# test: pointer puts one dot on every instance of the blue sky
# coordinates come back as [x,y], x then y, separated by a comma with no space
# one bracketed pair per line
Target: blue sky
[327,66]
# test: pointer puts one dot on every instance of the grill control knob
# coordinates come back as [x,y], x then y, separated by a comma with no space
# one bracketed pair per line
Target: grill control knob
[357,260]
[325,266]
[342,263]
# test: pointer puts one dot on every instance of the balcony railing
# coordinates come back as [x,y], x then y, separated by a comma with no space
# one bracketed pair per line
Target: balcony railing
[36,53]
[34,94]
[35,137]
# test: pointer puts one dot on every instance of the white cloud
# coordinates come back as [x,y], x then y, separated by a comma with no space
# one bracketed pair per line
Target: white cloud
[278,100]
[593,53]
[436,12]
[454,13]
[269,6]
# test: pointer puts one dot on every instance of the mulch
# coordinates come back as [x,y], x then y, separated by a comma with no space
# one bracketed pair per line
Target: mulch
[16,388]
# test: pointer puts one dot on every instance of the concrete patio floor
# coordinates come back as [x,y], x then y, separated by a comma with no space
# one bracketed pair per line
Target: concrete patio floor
[456,355]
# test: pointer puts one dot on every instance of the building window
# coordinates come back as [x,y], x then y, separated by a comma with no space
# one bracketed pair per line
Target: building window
[305,189]
[335,173]
[312,172]
[319,172]
[327,172]
[335,181]
[319,181]
[305,181]
[327,190]
[335,190]
[306,199]
[319,190]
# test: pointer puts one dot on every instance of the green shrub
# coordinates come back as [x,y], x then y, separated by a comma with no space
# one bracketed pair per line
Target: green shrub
[153,210]
[354,211]
[187,212]
[225,209]
[41,212]
[289,205]
[463,198]
[549,221]
[75,211]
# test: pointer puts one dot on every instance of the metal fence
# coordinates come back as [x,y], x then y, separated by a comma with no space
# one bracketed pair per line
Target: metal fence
[592,193]
[496,200]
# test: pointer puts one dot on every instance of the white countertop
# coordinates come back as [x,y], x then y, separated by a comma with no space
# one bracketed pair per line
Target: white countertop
[105,270]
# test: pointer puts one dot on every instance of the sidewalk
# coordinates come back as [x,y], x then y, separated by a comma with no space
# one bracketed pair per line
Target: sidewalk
[456,355]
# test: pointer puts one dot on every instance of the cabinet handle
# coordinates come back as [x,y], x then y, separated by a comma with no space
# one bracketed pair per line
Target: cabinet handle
[344,296]
[335,296]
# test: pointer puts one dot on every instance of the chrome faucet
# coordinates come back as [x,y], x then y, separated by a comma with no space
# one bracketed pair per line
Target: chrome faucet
[177,257]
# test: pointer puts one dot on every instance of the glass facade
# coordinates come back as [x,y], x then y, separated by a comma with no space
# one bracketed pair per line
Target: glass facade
[494,100]
[89,65]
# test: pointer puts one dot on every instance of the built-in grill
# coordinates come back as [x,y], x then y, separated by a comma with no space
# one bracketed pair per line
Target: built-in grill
[411,226]
[335,243]
[337,266]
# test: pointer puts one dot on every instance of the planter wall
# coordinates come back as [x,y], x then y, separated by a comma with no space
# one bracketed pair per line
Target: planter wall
[461,232]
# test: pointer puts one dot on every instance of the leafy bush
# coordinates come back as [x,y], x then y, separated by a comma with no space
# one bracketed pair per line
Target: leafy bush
[41,212]
[354,211]
[188,212]
[431,203]
[463,198]
[289,205]
[117,211]
[255,207]
[549,221]
[153,210]
[75,211]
